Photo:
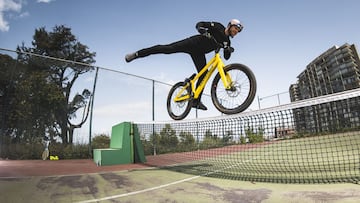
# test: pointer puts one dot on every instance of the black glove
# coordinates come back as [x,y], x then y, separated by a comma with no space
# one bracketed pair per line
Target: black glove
[229,49]
[227,52]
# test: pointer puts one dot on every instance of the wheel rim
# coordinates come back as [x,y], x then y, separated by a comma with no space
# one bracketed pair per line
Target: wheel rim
[234,97]
[178,110]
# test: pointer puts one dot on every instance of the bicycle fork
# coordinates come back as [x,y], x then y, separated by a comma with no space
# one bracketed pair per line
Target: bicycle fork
[182,95]
[225,78]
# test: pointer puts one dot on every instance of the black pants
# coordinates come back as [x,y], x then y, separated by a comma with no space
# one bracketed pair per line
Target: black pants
[194,46]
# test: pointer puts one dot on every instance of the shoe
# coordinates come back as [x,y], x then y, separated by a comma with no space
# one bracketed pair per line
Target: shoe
[199,105]
[130,57]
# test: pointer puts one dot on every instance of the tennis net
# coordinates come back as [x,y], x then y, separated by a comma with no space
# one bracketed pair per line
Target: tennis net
[309,141]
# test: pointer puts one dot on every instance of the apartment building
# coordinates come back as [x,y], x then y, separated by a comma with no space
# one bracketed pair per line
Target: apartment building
[335,70]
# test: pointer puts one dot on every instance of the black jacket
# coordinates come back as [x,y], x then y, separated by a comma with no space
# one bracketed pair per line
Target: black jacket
[217,30]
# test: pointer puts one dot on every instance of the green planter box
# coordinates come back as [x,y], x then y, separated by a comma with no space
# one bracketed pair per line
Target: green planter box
[105,157]
[125,147]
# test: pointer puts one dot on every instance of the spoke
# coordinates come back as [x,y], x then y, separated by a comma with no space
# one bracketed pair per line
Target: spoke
[233,98]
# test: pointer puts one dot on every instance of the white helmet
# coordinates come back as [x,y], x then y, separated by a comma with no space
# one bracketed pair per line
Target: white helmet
[237,23]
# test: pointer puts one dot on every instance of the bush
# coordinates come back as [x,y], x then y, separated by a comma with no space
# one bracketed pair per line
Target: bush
[75,152]
[34,151]
[17,151]
[211,142]
[242,140]
[101,141]
[255,138]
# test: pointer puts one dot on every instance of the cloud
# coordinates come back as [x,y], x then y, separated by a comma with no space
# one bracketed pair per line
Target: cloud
[24,15]
[44,1]
[8,6]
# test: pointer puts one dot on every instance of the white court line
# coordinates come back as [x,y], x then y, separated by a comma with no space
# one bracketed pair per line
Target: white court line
[141,191]
[165,185]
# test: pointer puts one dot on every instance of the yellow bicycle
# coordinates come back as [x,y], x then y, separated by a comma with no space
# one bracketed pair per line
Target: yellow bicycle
[233,88]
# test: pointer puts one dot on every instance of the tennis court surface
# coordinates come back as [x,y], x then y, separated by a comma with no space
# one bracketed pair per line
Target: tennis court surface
[306,151]
[83,181]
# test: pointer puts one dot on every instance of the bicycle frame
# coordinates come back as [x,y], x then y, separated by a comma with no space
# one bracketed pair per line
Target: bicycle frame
[214,63]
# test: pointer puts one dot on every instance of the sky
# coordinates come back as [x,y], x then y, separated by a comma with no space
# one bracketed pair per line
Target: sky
[280,37]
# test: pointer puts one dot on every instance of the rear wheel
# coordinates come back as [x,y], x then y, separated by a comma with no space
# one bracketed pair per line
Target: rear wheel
[241,94]
[178,110]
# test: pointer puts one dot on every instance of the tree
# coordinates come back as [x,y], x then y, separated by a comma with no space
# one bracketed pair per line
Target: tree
[25,110]
[7,70]
[187,138]
[60,43]
[187,141]
[101,141]
[35,102]
[210,141]
[154,142]
[168,139]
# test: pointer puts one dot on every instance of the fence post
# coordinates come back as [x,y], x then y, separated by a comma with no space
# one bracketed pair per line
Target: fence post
[91,108]
[153,100]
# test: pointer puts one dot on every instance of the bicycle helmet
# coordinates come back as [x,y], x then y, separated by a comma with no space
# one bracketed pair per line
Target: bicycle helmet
[237,23]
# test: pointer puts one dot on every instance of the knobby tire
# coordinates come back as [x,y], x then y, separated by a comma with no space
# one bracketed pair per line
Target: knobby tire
[178,110]
[241,96]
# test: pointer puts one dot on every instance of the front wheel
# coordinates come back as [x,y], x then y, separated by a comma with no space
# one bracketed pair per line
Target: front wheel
[241,94]
[178,110]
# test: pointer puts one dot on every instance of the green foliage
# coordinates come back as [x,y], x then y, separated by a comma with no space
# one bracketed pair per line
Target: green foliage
[155,139]
[36,91]
[187,142]
[210,141]
[101,141]
[20,151]
[71,151]
[34,115]
[242,140]
[186,138]
[255,137]
[167,140]
[148,147]
[151,144]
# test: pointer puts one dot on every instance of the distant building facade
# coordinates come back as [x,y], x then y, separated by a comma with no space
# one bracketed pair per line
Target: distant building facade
[336,70]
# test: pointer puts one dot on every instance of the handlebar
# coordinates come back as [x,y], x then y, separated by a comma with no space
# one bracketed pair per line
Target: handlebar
[219,45]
